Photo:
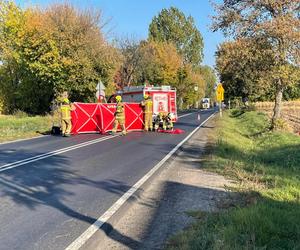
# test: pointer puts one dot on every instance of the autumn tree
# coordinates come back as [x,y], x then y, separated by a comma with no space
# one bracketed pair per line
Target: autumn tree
[44,52]
[171,25]
[277,24]
[159,63]
[85,55]
[244,66]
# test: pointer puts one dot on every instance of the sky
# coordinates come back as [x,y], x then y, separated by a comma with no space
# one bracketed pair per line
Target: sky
[132,17]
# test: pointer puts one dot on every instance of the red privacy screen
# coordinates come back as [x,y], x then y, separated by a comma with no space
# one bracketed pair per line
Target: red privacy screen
[99,117]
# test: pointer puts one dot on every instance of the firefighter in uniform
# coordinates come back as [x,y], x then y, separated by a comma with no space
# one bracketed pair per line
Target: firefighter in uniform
[160,121]
[119,116]
[65,109]
[169,123]
[147,104]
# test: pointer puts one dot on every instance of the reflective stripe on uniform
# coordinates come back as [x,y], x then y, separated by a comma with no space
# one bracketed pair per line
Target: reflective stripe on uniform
[65,111]
[148,106]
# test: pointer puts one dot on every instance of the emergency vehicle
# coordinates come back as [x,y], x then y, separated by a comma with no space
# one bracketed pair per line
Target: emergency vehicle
[163,97]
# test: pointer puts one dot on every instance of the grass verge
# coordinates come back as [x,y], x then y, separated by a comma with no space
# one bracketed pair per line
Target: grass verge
[14,127]
[264,209]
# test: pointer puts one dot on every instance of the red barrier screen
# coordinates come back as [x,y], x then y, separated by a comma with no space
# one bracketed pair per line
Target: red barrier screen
[99,117]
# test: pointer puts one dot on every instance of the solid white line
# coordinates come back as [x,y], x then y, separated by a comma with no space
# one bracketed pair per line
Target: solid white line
[187,114]
[26,139]
[52,153]
[57,152]
[41,136]
[85,236]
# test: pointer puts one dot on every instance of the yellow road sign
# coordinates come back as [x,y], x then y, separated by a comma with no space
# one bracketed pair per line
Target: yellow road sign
[220,93]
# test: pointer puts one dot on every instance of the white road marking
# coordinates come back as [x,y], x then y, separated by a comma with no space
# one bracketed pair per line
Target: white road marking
[52,153]
[57,152]
[43,136]
[26,139]
[187,114]
[85,236]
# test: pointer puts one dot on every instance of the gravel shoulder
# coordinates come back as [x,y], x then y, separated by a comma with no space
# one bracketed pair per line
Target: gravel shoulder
[161,209]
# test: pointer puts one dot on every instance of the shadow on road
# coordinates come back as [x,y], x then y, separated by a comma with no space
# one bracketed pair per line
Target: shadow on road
[49,183]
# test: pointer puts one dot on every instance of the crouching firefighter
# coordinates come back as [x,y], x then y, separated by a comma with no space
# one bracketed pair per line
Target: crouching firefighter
[119,116]
[147,105]
[65,110]
[160,121]
[168,120]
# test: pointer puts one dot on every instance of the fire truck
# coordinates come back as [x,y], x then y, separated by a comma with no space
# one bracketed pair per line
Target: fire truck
[163,97]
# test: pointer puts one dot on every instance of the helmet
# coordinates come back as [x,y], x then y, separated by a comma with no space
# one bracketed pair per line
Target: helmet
[118,98]
[146,96]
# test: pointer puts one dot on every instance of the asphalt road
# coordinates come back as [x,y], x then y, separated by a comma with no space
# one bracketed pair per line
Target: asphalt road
[52,188]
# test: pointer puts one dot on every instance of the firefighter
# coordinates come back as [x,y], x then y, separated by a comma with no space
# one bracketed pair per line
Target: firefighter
[147,105]
[169,123]
[65,109]
[160,121]
[119,116]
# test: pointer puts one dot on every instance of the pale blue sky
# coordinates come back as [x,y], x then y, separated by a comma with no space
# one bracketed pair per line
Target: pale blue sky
[132,17]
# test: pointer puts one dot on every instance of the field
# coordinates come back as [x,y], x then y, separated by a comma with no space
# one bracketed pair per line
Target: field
[19,127]
[290,112]
[263,211]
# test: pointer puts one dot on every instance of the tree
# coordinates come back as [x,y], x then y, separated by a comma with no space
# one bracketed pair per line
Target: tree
[171,25]
[12,23]
[209,77]
[159,63]
[132,57]
[44,52]
[190,85]
[277,24]
[244,67]
[85,54]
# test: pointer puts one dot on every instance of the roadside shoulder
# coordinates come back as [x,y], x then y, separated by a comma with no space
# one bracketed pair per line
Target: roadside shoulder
[162,209]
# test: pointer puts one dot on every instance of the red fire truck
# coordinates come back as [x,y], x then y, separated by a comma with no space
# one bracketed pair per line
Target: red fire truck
[163,97]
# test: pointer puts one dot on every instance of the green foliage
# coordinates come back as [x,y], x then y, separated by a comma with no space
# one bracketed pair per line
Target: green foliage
[171,25]
[190,85]
[270,31]
[159,63]
[263,209]
[292,92]
[45,52]
[210,79]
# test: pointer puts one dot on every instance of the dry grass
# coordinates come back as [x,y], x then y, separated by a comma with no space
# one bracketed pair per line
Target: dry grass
[290,112]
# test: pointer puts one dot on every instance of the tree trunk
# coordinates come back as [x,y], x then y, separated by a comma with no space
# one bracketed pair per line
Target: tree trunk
[277,106]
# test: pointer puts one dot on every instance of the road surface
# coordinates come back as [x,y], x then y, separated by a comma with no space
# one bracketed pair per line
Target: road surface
[52,189]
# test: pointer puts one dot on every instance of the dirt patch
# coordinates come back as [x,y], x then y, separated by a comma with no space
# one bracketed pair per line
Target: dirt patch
[161,210]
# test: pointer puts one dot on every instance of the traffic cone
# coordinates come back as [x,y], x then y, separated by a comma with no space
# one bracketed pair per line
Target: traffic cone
[198,117]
